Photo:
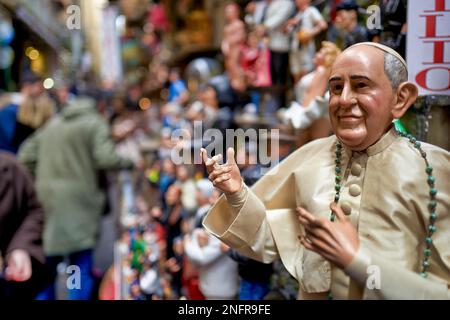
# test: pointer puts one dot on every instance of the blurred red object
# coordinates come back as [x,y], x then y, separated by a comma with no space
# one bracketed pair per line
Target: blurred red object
[107,290]
[263,75]
[157,17]
[190,281]
[334,4]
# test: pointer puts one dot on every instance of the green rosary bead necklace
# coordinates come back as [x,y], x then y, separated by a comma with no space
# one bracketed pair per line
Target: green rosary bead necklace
[431,229]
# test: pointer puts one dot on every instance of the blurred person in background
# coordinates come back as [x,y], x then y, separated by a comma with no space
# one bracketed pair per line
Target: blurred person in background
[23,112]
[35,110]
[66,156]
[21,222]
[62,93]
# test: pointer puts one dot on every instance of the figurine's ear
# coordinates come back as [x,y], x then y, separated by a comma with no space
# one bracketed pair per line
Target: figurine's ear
[406,95]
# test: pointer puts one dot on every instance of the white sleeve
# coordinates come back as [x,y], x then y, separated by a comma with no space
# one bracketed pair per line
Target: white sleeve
[281,15]
[315,15]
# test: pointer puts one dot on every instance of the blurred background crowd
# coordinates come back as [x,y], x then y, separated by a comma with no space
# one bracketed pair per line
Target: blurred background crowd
[91,92]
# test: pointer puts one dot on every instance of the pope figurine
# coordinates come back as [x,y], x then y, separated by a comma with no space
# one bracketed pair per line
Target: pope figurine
[362,214]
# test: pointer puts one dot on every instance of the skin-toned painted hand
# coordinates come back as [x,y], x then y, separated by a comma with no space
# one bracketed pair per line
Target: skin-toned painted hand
[18,266]
[336,241]
[226,177]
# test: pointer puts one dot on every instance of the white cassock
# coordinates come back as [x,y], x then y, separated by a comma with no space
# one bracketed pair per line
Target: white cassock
[385,195]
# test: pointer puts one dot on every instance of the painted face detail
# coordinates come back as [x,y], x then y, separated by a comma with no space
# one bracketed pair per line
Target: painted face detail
[361,97]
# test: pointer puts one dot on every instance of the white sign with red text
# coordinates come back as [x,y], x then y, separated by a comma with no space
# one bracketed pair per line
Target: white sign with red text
[428,46]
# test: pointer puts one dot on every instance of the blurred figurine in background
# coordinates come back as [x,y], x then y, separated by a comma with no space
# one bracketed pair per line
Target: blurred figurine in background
[346,30]
[304,27]
[275,16]
[234,36]
[218,274]
[309,113]
[178,92]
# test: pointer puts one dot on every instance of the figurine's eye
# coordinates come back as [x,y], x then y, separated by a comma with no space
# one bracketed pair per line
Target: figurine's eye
[361,85]
[336,89]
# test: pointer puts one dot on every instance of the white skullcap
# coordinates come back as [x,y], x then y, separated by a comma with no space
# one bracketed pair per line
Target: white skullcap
[383,48]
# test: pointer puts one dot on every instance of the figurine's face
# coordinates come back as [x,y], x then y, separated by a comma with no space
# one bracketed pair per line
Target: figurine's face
[231,12]
[361,97]
[345,18]
[319,58]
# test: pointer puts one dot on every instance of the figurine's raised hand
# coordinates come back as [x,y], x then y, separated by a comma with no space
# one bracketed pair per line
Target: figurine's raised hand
[225,177]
